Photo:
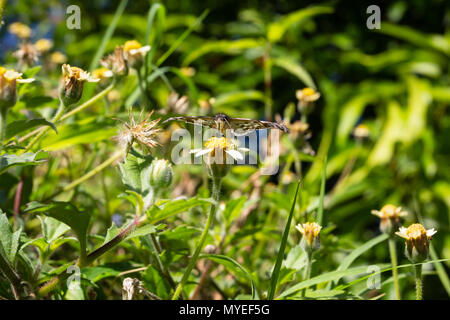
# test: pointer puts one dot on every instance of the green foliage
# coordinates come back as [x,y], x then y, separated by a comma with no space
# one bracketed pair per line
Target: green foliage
[74,192]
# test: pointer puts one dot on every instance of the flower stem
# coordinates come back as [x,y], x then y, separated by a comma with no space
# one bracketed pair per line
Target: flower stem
[418,273]
[393,252]
[307,273]
[3,115]
[193,261]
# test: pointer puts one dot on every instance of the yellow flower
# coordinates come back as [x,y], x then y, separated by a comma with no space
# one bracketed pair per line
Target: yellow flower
[307,95]
[361,131]
[74,79]
[21,30]
[143,132]
[135,53]
[58,57]
[217,149]
[102,73]
[221,145]
[43,45]
[8,80]
[417,241]
[310,232]
[389,218]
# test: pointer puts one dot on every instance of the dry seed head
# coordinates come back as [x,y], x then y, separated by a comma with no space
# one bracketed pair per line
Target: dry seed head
[143,132]
[389,218]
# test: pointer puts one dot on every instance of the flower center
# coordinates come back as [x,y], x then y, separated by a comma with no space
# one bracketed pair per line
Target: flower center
[131,45]
[416,231]
[217,143]
[308,91]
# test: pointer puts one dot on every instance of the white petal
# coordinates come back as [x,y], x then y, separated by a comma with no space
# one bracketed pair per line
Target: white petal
[431,232]
[236,155]
[202,152]
[25,80]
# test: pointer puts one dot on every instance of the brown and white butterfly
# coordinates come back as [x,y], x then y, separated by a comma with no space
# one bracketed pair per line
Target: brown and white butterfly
[222,122]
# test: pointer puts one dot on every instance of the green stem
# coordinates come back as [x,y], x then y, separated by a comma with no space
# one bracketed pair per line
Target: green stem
[307,273]
[393,252]
[193,261]
[418,273]
[3,115]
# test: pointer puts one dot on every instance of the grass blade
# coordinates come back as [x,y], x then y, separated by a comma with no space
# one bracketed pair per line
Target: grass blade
[108,34]
[277,267]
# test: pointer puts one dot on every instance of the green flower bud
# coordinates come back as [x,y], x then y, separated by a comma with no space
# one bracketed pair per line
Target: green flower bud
[160,173]
[71,88]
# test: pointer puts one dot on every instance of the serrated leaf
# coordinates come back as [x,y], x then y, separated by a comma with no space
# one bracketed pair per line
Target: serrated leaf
[65,212]
[9,240]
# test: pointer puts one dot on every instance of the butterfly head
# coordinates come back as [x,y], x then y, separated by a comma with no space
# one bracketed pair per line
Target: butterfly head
[222,122]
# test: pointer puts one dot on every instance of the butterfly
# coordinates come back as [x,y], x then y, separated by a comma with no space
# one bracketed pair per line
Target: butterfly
[222,122]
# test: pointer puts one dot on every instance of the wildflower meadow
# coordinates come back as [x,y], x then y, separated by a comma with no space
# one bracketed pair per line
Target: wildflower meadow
[233,150]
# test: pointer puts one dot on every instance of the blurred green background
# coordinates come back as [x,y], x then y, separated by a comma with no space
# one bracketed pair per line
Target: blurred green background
[394,80]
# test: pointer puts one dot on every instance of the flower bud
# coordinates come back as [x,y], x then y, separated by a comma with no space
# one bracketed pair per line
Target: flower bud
[389,218]
[310,232]
[417,242]
[135,53]
[160,173]
[8,80]
[71,88]
[306,97]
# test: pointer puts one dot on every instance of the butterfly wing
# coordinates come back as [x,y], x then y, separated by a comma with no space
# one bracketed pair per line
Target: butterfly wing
[199,120]
[243,126]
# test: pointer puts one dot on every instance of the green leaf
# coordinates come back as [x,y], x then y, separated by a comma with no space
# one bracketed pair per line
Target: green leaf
[8,161]
[296,69]
[95,274]
[359,251]
[136,175]
[296,258]
[158,213]
[277,29]
[155,282]
[16,127]
[52,229]
[277,267]
[233,208]
[142,231]
[329,276]
[222,46]
[9,240]
[322,191]
[233,266]
[65,212]
[238,97]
